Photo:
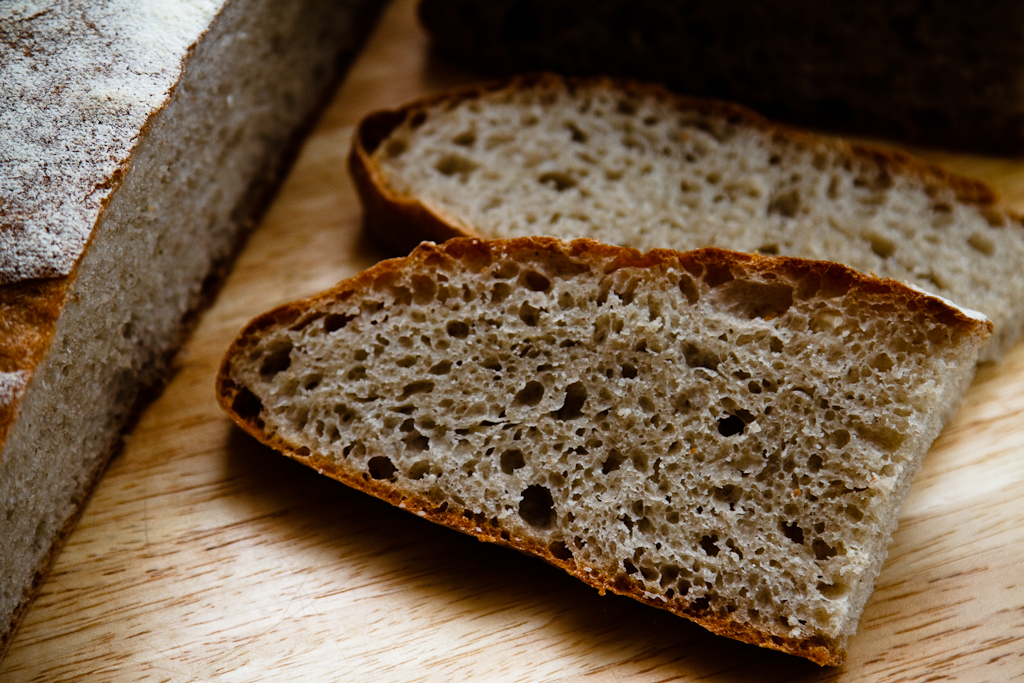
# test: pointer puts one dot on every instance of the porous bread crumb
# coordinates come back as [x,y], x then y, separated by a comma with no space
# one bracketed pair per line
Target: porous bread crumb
[728,438]
[631,165]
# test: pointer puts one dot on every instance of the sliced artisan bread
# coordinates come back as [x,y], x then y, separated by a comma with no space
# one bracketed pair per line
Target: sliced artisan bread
[723,435]
[631,164]
[138,142]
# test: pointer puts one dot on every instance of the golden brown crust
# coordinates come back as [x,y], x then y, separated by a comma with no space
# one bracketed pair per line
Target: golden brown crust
[829,278]
[400,222]
[28,318]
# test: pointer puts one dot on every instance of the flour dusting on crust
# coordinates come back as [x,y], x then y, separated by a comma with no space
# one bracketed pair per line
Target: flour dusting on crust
[12,386]
[78,85]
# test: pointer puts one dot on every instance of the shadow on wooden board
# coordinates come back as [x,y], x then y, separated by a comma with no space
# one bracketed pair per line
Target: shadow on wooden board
[429,563]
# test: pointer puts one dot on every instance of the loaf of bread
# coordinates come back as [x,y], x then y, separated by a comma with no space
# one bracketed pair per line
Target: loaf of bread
[942,72]
[723,435]
[137,142]
[631,164]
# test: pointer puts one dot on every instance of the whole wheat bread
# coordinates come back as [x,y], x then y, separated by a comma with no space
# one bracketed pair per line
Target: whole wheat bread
[726,436]
[139,141]
[631,164]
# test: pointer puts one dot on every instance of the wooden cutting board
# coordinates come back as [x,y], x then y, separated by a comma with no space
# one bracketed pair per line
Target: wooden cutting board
[203,555]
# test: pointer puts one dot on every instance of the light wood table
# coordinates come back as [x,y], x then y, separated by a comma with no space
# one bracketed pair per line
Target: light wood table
[204,556]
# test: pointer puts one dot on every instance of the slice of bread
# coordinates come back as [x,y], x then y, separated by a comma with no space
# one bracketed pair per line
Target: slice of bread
[631,164]
[140,142]
[723,435]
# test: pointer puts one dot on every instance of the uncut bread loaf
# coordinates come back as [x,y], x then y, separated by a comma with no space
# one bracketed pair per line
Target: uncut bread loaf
[944,72]
[726,436]
[138,141]
[631,164]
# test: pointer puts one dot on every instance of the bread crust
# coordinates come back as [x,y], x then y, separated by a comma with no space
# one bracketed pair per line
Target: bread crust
[31,307]
[238,402]
[398,222]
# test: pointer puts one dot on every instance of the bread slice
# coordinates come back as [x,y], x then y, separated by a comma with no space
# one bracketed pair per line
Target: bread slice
[631,164]
[138,142]
[726,436]
[947,73]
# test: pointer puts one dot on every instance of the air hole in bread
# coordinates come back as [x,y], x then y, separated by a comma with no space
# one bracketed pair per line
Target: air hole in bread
[452,164]
[576,133]
[512,460]
[793,532]
[786,204]
[247,405]
[689,289]
[698,357]
[710,545]
[416,442]
[560,550]
[536,282]
[500,292]
[395,147]
[882,362]
[613,462]
[717,274]
[731,425]
[827,321]
[419,469]
[419,387]
[277,360]
[466,139]
[529,314]
[530,395]
[885,438]
[833,591]
[559,181]
[381,467]
[982,244]
[822,550]
[752,299]
[882,246]
[537,508]
[335,321]
[457,329]
[575,398]
[729,494]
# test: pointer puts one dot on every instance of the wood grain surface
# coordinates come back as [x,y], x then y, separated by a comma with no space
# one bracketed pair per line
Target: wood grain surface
[204,556]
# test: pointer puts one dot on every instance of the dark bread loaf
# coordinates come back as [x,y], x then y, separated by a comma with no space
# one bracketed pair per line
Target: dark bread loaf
[726,436]
[631,164]
[138,143]
[947,73]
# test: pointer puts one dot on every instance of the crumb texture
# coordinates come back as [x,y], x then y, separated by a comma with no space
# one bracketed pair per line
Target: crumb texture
[639,168]
[732,439]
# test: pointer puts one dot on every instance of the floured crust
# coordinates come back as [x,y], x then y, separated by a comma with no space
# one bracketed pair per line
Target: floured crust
[106,71]
[79,87]
[236,400]
[399,222]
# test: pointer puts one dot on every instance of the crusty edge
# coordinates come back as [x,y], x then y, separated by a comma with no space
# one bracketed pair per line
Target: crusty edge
[231,396]
[397,222]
